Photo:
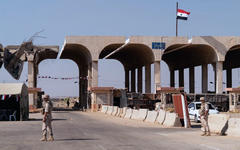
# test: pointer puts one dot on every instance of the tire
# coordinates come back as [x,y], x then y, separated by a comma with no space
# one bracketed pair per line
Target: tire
[196,119]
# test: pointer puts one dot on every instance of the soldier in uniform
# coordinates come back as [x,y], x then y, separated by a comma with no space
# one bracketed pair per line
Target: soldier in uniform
[47,119]
[204,117]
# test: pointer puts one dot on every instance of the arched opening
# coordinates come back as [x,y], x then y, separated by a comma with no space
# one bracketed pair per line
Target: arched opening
[193,57]
[134,58]
[111,74]
[231,66]
[56,82]
[82,57]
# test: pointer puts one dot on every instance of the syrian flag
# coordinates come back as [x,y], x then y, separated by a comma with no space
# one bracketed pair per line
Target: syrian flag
[182,14]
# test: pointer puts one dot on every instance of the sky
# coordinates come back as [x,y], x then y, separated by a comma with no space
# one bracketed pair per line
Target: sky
[60,18]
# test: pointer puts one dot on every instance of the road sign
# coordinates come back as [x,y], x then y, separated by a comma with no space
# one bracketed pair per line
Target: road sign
[158,45]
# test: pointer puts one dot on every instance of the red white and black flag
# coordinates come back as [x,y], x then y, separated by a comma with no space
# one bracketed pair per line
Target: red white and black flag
[182,14]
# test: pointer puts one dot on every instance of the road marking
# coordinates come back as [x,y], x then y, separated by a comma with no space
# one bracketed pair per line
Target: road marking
[209,147]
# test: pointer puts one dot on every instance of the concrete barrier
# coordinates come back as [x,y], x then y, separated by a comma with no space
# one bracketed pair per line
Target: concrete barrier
[109,110]
[142,114]
[172,120]
[104,108]
[123,112]
[161,116]
[119,112]
[135,114]
[128,113]
[233,127]
[218,123]
[115,110]
[151,116]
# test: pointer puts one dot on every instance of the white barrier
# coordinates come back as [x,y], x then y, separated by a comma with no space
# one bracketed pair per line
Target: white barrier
[135,114]
[172,120]
[161,116]
[123,112]
[110,110]
[115,110]
[233,127]
[218,123]
[104,108]
[142,114]
[119,112]
[151,116]
[128,113]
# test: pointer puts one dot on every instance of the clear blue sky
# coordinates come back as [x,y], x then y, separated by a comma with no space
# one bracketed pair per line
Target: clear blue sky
[59,18]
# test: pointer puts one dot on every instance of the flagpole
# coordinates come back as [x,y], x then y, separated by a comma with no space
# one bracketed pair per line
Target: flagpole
[176,20]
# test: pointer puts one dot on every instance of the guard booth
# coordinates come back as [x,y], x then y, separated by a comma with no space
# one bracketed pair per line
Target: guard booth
[13,102]
[101,96]
[234,96]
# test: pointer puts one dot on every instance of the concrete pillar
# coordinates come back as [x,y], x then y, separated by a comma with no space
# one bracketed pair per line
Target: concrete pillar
[94,73]
[80,82]
[139,83]
[148,78]
[127,79]
[191,80]
[32,80]
[157,74]
[204,78]
[89,76]
[229,77]
[133,80]
[219,77]
[172,78]
[215,78]
[83,87]
[181,77]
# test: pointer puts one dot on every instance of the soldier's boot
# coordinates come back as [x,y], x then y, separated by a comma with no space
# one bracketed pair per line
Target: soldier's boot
[208,134]
[203,134]
[44,138]
[51,138]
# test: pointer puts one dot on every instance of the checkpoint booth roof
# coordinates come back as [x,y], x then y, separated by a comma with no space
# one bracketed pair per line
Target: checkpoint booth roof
[14,97]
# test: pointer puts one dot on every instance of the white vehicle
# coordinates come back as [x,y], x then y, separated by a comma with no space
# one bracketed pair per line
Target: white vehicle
[193,109]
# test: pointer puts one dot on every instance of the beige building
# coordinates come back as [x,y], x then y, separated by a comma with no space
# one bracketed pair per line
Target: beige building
[137,53]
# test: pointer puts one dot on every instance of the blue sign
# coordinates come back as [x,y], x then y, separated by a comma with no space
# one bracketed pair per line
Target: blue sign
[158,45]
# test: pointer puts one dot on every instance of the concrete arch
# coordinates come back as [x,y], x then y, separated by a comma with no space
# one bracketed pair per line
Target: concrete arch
[47,53]
[78,53]
[217,43]
[180,56]
[232,58]
[82,57]
[133,55]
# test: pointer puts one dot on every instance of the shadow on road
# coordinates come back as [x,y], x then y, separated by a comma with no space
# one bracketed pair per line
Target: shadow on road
[62,109]
[196,126]
[80,139]
[33,119]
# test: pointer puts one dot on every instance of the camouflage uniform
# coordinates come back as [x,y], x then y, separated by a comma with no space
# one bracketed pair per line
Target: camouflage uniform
[47,125]
[204,118]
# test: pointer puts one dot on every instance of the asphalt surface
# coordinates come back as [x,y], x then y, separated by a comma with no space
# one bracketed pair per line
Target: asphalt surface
[96,131]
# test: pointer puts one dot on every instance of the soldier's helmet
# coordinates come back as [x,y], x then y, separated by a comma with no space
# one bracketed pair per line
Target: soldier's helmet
[202,99]
[45,97]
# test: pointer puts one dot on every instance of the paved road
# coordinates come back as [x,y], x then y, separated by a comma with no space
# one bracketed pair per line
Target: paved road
[95,131]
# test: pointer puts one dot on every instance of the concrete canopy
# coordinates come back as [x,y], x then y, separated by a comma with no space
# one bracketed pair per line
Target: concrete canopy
[132,56]
[78,53]
[181,56]
[49,52]
[232,58]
